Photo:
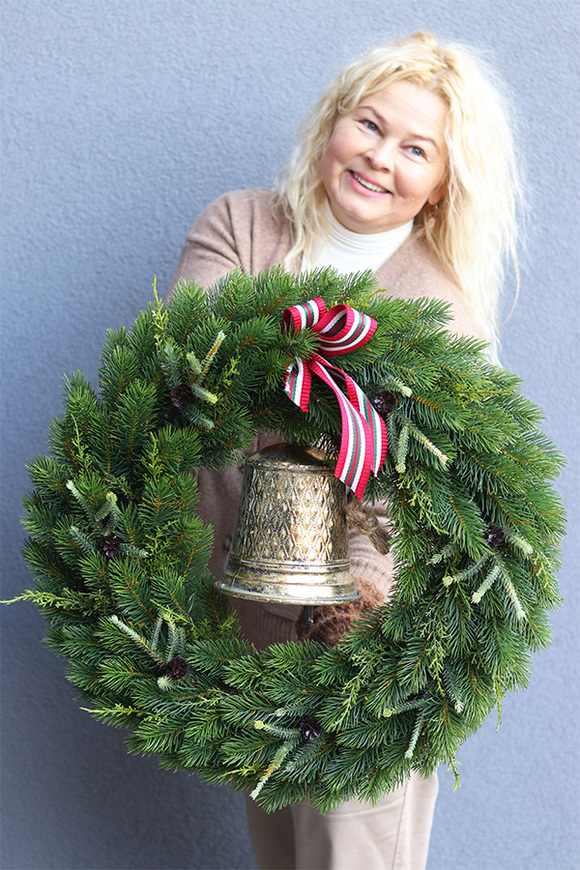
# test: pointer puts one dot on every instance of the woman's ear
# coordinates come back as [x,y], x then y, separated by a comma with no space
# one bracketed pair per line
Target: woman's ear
[437,195]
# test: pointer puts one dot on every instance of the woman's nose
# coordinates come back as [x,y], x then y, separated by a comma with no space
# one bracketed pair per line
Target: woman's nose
[382,155]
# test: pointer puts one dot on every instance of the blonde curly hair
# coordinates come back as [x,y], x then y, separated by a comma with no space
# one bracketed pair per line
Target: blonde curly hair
[473,229]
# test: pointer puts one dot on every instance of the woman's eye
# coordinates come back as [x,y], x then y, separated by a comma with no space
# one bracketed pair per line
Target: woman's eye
[416,151]
[370,125]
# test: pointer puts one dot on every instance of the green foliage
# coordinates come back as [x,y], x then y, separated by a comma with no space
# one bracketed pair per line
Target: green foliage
[120,556]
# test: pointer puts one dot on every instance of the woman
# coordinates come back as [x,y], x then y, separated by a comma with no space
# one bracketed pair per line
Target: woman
[405,167]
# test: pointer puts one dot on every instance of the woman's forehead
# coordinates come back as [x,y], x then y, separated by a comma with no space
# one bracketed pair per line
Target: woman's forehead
[424,111]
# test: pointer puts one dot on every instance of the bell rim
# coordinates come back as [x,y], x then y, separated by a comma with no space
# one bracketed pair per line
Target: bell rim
[296,457]
[297,594]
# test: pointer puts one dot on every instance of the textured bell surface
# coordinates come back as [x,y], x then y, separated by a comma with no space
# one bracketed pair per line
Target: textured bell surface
[291,540]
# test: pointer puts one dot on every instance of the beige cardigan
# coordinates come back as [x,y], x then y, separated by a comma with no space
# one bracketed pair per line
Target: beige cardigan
[247,228]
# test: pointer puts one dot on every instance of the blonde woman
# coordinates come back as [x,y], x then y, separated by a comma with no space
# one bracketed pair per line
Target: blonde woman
[406,167]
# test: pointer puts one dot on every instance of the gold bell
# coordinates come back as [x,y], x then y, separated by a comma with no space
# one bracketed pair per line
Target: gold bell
[291,540]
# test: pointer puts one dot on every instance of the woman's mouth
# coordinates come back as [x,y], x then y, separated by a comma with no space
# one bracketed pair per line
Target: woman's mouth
[368,185]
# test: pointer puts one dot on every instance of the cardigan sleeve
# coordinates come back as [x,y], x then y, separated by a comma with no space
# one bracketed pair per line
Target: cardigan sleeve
[243,228]
[210,250]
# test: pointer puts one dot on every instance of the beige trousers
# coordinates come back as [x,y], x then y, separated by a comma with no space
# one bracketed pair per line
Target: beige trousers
[392,835]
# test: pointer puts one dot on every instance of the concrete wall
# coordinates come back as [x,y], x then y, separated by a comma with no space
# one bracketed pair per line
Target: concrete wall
[122,118]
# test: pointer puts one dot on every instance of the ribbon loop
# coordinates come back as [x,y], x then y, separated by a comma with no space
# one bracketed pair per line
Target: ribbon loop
[364,436]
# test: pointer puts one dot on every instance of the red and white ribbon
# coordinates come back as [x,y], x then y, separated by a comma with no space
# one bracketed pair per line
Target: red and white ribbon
[364,436]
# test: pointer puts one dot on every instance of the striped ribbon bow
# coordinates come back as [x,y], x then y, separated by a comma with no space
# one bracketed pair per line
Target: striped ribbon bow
[364,436]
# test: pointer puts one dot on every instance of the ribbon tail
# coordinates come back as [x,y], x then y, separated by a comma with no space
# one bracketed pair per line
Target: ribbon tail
[297,384]
[374,421]
[356,448]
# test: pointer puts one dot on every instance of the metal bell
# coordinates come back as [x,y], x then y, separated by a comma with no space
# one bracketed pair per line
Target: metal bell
[291,540]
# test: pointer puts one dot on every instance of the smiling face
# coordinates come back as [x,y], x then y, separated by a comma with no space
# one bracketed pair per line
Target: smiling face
[386,158]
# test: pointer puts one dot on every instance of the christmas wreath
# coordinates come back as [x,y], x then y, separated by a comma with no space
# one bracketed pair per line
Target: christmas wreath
[120,555]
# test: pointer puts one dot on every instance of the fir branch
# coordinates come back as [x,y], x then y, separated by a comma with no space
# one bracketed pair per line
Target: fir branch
[160,317]
[466,573]
[417,704]
[70,485]
[447,551]
[130,550]
[210,355]
[488,582]
[73,601]
[286,733]
[154,642]
[139,639]
[276,763]
[402,447]
[108,509]
[415,736]
[511,590]
[398,386]
[84,459]
[454,765]
[117,715]
[203,394]
[452,687]
[422,439]
[170,365]
[82,540]
[519,542]
[165,683]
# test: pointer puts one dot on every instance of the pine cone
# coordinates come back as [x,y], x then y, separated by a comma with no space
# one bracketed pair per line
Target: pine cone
[494,536]
[109,546]
[182,396]
[309,728]
[384,402]
[176,668]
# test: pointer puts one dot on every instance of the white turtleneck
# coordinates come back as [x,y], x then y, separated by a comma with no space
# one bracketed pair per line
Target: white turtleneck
[347,251]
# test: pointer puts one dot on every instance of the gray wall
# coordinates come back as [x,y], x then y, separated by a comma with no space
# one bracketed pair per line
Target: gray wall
[122,119]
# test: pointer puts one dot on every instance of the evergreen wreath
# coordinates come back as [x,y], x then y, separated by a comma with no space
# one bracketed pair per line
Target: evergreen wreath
[120,556]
